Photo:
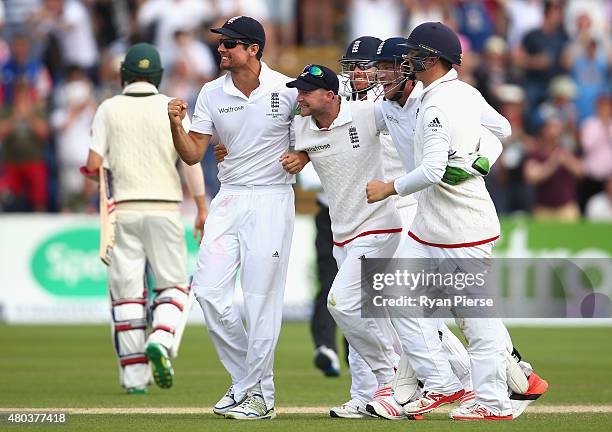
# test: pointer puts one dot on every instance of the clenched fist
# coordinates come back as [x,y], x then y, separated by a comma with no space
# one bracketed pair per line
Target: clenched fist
[177,110]
[377,190]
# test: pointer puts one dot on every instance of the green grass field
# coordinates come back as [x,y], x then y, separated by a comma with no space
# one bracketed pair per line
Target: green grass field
[74,367]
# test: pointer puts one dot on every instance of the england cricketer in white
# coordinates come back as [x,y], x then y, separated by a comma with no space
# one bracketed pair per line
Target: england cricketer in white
[465,225]
[250,223]
[357,84]
[131,137]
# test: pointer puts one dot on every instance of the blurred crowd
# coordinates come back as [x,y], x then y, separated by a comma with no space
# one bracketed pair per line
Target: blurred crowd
[545,65]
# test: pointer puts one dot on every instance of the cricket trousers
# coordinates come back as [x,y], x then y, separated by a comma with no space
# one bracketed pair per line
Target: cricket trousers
[248,229]
[487,340]
[153,233]
[363,381]
[374,339]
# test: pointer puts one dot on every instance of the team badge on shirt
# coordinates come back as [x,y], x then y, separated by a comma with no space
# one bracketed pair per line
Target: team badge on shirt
[353,136]
[274,105]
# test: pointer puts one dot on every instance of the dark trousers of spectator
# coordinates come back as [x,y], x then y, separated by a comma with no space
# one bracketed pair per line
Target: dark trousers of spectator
[322,325]
[588,188]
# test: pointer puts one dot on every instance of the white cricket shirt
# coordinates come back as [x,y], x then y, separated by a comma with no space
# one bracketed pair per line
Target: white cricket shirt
[346,156]
[449,123]
[256,130]
[131,132]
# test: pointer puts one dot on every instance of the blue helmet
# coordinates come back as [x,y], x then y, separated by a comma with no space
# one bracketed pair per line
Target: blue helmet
[434,39]
[391,50]
[362,48]
[358,55]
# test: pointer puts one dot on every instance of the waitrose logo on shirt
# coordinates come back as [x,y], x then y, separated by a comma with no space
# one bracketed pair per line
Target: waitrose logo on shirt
[230,109]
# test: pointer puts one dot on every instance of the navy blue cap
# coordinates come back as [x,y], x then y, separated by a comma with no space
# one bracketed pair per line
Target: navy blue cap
[362,48]
[316,77]
[244,28]
[436,39]
[391,49]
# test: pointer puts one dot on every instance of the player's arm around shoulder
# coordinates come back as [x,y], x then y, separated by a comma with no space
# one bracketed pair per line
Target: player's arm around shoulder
[191,145]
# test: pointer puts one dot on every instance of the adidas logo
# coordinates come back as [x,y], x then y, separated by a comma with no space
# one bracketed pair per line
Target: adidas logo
[434,123]
[275,254]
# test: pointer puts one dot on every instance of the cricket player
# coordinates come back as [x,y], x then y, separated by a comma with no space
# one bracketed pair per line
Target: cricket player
[250,224]
[465,226]
[131,137]
[357,83]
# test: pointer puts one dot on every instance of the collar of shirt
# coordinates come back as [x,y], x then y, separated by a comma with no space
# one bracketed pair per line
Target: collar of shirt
[266,80]
[344,117]
[140,87]
[451,75]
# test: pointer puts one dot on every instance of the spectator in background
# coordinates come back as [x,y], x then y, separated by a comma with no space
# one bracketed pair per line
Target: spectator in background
[561,105]
[17,13]
[23,65]
[540,54]
[317,17]
[523,17]
[554,172]
[71,122]
[493,71]
[588,59]
[160,19]
[70,22]
[506,182]
[420,11]
[379,18]
[24,132]
[599,206]
[281,31]
[474,23]
[596,142]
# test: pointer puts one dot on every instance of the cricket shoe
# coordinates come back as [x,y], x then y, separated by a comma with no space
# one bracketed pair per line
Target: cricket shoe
[137,391]
[252,408]
[385,406]
[353,409]
[537,387]
[227,402]
[475,412]
[468,398]
[160,365]
[327,361]
[429,401]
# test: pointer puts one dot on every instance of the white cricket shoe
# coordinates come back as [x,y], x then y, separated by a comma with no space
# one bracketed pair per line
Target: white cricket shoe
[384,405]
[468,398]
[352,409]
[429,401]
[252,408]
[226,403]
[476,412]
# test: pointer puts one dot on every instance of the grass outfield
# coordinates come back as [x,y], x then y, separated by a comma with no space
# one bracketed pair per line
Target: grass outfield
[74,367]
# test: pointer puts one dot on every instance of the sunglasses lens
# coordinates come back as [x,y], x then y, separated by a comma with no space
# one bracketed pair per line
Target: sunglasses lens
[315,71]
[228,43]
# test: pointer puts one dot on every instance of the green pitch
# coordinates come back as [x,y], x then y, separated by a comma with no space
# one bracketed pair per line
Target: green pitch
[74,367]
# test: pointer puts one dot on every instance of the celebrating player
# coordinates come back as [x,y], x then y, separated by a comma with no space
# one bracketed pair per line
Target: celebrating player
[250,224]
[130,136]
[448,123]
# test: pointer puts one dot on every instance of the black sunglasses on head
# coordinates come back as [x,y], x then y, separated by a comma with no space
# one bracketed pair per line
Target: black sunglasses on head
[232,43]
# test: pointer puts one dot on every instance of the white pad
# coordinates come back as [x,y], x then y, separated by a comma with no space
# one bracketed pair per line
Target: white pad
[405,382]
[129,332]
[517,381]
[168,309]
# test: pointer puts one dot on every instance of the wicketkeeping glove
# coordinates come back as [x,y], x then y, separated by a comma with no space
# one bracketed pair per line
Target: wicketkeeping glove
[461,169]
